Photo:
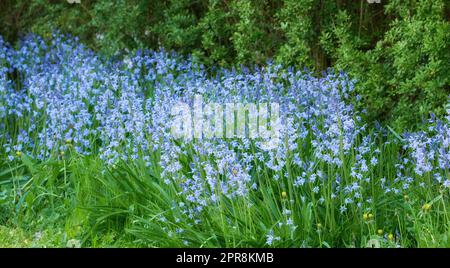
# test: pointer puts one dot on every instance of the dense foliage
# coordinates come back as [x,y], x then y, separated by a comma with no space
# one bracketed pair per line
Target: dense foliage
[398,50]
[86,148]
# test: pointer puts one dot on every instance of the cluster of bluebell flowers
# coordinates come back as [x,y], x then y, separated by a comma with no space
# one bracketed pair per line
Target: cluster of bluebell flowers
[57,95]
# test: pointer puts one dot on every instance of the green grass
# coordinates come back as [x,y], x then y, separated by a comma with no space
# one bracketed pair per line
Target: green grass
[79,198]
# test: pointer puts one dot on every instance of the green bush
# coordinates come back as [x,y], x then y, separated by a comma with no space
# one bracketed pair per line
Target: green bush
[405,75]
[398,50]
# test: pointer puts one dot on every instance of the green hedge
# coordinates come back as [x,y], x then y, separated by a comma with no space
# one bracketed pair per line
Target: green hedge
[398,50]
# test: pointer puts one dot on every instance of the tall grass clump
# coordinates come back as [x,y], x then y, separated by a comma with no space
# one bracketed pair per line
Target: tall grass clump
[86,145]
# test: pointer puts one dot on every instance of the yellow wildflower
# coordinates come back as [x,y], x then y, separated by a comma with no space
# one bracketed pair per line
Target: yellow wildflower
[365,216]
[426,206]
[390,237]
